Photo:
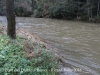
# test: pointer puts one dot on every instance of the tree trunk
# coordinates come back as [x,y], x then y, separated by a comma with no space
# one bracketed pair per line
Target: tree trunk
[11,25]
[88,8]
[32,5]
[98,9]
[91,14]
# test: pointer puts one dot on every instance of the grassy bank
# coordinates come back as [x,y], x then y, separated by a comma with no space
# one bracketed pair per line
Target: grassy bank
[21,57]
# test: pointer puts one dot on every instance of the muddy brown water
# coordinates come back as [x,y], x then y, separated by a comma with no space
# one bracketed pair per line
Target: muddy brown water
[77,42]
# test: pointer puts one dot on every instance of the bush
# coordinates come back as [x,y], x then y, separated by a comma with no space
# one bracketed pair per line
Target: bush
[15,61]
[20,11]
[38,12]
[58,12]
[64,11]
[41,8]
[84,18]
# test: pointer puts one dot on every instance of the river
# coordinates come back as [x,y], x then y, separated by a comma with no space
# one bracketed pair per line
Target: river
[77,42]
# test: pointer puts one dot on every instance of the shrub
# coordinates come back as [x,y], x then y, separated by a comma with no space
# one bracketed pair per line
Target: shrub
[41,8]
[84,18]
[38,12]
[64,11]
[14,61]
[58,11]
[20,11]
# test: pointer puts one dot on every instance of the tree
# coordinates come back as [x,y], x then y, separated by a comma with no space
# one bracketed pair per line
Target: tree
[98,8]
[11,25]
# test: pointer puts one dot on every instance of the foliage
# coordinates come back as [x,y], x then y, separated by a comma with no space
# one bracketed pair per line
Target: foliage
[84,18]
[64,11]
[20,11]
[41,8]
[38,12]
[61,9]
[58,11]
[2,7]
[14,61]
[23,8]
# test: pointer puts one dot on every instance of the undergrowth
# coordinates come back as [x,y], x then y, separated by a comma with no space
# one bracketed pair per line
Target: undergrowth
[15,60]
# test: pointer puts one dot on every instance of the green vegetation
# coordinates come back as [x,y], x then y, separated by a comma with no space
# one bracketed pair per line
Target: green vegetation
[19,11]
[60,9]
[67,9]
[19,57]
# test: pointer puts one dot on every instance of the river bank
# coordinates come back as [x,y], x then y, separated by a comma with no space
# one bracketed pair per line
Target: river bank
[31,41]
[31,49]
[31,37]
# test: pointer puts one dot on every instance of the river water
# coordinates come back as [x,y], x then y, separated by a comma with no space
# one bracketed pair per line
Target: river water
[77,42]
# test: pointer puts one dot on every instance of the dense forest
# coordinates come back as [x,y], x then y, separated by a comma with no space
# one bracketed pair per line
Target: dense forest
[60,9]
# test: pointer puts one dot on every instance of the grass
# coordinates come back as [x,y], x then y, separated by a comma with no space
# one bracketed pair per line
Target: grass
[20,57]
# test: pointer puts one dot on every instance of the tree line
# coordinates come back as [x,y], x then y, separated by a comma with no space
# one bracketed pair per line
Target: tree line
[60,9]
